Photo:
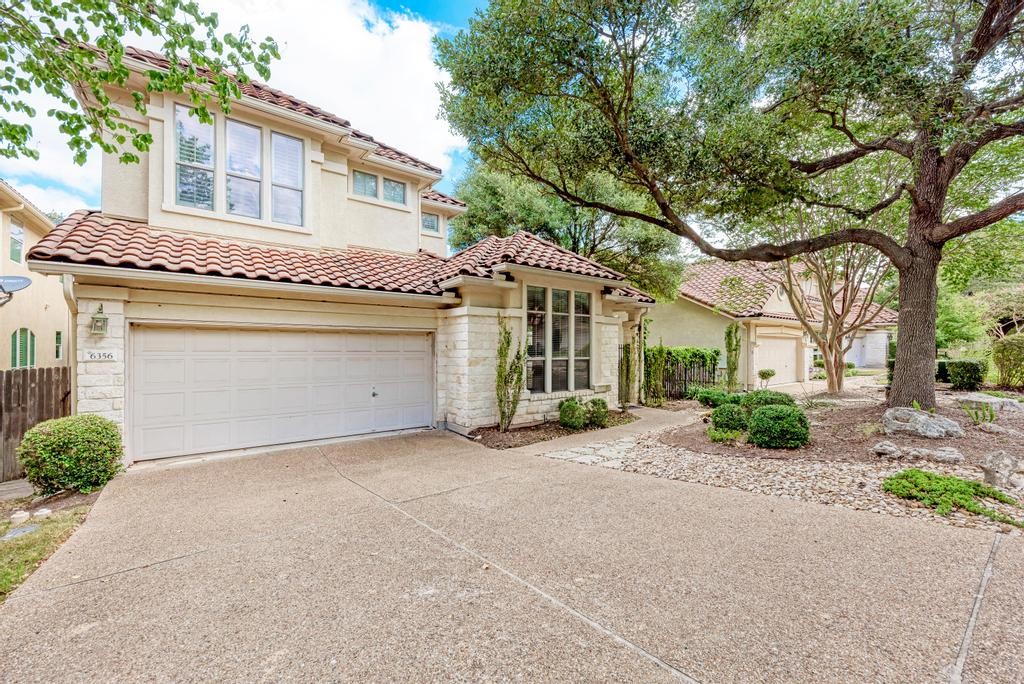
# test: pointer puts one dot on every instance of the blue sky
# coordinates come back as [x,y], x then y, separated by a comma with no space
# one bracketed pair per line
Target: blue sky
[377,58]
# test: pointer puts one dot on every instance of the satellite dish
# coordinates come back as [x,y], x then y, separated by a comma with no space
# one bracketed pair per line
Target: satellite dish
[14,283]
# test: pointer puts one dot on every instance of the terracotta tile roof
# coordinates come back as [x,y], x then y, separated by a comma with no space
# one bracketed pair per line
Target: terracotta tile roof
[742,289]
[441,198]
[737,289]
[89,237]
[264,92]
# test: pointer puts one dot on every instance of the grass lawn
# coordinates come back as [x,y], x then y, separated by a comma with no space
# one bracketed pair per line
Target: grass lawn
[20,557]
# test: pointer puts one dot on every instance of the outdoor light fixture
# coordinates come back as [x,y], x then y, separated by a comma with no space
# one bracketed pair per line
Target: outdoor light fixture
[99,322]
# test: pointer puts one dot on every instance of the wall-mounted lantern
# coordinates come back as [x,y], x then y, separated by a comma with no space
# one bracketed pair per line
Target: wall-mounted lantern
[98,324]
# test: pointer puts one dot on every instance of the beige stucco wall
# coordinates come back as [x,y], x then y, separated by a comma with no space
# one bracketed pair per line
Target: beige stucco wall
[333,216]
[41,307]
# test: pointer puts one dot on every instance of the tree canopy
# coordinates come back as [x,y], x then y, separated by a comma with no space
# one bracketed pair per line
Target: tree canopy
[499,204]
[737,107]
[54,47]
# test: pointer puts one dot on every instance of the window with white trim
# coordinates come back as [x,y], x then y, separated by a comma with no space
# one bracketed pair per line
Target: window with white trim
[23,348]
[364,184]
[558,336]
[16,244]
[431,223]
[287,179]
[58,345]
[394,191]
[194,160]
[252,179]
[245,168]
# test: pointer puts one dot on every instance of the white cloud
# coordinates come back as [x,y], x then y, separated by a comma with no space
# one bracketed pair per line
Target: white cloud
[372,67]
[56,199]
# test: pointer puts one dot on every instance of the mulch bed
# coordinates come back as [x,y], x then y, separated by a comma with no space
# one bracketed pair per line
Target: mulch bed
[847,432]
[542,432]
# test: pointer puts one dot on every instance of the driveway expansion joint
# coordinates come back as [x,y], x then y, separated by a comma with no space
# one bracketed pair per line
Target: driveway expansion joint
[957,672]
[583,617]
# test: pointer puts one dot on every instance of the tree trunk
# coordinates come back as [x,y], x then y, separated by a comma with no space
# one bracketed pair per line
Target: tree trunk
[913,378]
[834,380]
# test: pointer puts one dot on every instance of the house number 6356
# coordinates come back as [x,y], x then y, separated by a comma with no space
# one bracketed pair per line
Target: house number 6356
[99,356]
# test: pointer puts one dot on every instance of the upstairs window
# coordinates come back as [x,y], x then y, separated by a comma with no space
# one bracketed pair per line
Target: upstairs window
[287,179]
[394,191]
[245,163]
[194,156]
[23,348]
[58,345]
[16,246]
[431,223]
[364,184]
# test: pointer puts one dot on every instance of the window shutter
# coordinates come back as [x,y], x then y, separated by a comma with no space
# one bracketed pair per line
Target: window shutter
[31,349]
[14,349]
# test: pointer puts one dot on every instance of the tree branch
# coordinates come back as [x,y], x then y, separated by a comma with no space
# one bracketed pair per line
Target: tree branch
[1008,206]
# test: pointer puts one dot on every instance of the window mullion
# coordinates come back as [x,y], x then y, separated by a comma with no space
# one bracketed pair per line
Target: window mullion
[548,353]
[571,370]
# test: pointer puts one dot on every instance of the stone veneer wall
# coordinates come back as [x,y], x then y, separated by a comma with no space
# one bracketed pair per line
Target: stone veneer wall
[99,385]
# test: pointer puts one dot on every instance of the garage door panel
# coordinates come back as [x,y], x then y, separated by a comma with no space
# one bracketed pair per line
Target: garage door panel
[199,390]
[779,354]
[211,403]
[162,371]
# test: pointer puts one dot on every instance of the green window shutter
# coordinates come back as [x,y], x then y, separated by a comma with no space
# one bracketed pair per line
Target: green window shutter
[14,349]
[31,349]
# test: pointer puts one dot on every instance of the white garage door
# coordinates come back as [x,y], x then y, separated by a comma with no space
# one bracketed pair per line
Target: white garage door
[198,390]
[778,353]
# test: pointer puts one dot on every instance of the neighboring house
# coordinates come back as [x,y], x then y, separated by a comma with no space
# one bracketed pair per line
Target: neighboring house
[34,323]
[279,277]
[716,293]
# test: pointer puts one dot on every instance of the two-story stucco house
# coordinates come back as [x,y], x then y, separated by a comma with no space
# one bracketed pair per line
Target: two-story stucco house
[715,294]
[279,276]
[34,322]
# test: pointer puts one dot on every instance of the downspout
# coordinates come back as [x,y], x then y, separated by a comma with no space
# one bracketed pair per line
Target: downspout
[68,281]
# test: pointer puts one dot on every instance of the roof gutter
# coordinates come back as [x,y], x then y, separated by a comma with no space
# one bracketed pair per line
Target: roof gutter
[624,299]
[533,270]
[268,286]
[455,209]
[465,280]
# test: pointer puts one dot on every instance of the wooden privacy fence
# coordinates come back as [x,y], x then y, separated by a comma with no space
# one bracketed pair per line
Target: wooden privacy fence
[28,396]
[679,378]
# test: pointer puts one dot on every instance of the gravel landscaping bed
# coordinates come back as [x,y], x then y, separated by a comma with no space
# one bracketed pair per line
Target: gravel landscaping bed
[856,485]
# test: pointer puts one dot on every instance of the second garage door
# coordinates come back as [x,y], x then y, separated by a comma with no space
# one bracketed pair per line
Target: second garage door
[199,390]
[778,353]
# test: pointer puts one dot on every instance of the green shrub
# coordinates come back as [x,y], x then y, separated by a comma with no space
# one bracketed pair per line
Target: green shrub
[967,374]
[941,370]
[765,375]
[711,397]
[758,398]
[80,453]
[819,363]
[945,492]
[1008,355]
[692,391]
[850,365]
[572,414]
[778,427]
[655,362]
[729,417]
[724,436]
[597,413]
[890,368]
[734,398]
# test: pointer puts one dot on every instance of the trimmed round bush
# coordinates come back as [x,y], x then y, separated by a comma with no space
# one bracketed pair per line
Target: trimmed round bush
[729,417]
[758,398]
[597,412]
[572,414]
[967,374]
[1008,355]
[711,397]
[778,427]
[79,453]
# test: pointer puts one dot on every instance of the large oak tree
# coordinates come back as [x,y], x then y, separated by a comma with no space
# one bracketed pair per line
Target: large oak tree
[706,109]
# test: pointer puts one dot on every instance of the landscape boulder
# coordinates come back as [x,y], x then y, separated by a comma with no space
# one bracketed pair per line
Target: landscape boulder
[996,429]
[887,450]
[912,421]
[977,400]
[999,467]
[940,455]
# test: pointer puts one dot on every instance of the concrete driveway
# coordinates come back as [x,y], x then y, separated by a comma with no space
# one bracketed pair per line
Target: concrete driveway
[427,557]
